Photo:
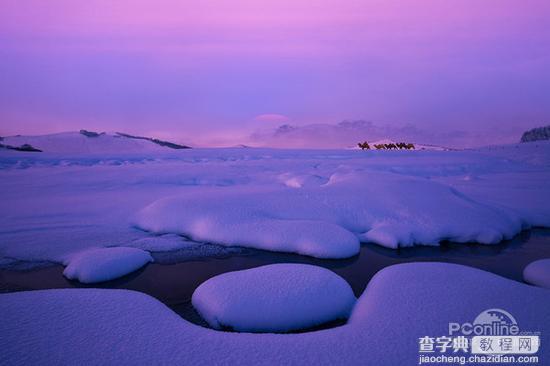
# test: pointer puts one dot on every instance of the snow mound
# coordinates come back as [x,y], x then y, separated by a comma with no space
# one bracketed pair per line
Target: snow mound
[328,221]
[105,264]
[246,219]
[538,273]
[401,304]
[274,298]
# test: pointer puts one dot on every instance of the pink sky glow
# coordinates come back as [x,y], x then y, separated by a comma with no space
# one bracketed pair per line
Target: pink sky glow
[217,72]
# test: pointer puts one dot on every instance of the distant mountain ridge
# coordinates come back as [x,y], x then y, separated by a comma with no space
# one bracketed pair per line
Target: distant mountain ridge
[85,141]
[536,134]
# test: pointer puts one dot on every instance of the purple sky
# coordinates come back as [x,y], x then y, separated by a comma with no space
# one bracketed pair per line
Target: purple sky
[217,72]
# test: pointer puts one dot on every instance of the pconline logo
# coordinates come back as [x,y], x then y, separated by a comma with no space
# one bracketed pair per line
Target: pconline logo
[491,322]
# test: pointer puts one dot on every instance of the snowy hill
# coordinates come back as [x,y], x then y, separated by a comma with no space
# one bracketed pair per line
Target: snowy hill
[88,142]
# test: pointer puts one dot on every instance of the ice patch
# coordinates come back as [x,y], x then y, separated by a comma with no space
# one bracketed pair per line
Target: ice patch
[274,298]
[538,273]
[105,264]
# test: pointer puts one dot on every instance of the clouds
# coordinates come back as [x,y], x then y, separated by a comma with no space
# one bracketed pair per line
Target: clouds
[271,118]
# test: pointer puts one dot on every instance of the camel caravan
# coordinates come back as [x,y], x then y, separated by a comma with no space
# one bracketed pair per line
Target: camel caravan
[391,146]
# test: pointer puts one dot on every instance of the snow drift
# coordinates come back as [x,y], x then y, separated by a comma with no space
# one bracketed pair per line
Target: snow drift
[328,220]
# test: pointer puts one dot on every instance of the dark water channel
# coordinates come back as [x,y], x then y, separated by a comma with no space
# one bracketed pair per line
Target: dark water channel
[174,283]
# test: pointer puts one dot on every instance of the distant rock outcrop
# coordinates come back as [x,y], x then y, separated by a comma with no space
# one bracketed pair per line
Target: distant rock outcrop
[536,134]
[91,133]
[24,147]
[168,144]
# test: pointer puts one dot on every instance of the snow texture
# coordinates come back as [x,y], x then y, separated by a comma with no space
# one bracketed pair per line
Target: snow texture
[401,304]
[105,264]
[251,219]
[274,298]
[315,202]
[538,273]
